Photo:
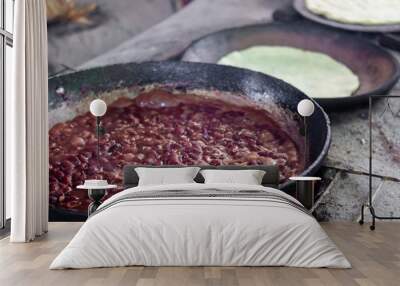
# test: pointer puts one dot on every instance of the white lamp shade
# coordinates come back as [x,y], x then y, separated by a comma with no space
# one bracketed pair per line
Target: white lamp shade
[305,107]
[98,107]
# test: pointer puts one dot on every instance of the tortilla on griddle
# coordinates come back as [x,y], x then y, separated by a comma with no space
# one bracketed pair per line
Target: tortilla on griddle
[316,74]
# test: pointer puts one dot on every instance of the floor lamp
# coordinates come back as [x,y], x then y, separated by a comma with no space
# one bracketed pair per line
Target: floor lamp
[98,108]
[306,108]
[369,204]
[304,184]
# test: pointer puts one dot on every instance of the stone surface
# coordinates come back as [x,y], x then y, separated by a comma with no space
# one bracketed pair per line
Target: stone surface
[387,199]
[116,21]
[171,37]
[350,150]
[350,139]
[343,199]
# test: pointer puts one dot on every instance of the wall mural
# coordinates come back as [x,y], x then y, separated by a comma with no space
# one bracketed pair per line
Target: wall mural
[223,118]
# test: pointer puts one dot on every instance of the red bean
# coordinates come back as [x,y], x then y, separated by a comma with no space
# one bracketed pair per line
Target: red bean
[152,130]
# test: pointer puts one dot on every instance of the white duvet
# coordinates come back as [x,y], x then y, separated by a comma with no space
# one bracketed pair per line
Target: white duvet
[200,231]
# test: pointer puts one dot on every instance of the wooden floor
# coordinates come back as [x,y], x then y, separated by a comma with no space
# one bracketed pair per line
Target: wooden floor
[375,257]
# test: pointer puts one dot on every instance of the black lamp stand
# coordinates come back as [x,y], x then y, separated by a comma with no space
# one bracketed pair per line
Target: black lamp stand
[99,132]
[307,152]
[98,138]
[369,205]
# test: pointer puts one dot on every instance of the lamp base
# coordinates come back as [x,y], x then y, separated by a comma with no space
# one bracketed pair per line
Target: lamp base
[96,196]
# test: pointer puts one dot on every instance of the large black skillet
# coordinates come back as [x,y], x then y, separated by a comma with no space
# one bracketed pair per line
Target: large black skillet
[377,69]
[279,97]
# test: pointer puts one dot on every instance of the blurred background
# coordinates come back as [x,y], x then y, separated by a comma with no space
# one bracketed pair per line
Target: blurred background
[79,30]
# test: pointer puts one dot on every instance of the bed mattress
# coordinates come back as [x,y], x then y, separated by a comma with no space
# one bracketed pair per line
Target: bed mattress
[201,225]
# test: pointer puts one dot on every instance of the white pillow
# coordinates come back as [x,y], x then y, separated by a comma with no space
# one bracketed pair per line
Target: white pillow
[248,177]
[164,176]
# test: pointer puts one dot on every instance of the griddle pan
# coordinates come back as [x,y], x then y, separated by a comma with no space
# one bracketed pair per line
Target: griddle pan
[377,69]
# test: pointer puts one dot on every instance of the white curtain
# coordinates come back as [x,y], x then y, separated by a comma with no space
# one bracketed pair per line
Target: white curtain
[26,124]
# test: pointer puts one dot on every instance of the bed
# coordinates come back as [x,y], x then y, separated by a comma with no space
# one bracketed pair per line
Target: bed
[198,224]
